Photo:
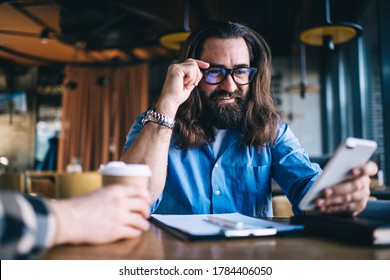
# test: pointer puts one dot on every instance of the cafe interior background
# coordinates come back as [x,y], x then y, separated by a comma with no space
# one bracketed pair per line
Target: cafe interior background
[75,74]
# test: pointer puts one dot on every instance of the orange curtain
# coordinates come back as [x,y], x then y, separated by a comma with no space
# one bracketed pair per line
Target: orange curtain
[97,117]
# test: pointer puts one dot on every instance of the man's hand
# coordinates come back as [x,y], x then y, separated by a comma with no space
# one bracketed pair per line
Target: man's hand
[181,79]
[350,196]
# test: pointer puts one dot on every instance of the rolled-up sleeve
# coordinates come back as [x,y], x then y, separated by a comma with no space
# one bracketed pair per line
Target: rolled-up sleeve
[134,130]
[292,168]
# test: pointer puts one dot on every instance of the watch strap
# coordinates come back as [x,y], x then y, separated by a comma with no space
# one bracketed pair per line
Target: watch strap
[153,116]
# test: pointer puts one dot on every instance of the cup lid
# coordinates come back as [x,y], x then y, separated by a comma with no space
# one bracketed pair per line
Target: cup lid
[120,168]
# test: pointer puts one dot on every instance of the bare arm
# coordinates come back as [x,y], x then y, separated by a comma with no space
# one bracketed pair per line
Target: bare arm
[152,143]
[111,213]
[151,147]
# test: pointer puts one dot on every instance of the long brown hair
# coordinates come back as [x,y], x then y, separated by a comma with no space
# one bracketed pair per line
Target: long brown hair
[260,117]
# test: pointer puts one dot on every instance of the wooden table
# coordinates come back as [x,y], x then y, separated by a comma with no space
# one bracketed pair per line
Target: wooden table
[157,244]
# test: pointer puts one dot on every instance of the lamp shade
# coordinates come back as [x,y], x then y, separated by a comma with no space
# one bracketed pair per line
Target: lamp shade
[338,34]
[302,88]
[174,40]
[330,34]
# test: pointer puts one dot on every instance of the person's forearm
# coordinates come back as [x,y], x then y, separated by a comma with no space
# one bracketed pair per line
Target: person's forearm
[151,147]
[66,222]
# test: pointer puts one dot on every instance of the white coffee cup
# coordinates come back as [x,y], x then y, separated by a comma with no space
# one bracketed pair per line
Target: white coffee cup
[118,172]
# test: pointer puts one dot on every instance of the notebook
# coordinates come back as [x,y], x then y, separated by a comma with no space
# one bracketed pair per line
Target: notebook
[220,226]
[351,229]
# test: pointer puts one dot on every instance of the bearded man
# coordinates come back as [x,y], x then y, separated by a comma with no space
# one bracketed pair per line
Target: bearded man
[214,140]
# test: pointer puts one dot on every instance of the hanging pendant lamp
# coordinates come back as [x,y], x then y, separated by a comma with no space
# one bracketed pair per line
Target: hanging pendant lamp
[174,40]
[330,34]
[303,87]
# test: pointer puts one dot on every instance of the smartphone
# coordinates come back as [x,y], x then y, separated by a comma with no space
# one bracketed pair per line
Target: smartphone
[352,153]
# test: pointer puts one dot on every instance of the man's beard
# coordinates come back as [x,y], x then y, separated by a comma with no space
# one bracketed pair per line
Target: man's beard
[223,115]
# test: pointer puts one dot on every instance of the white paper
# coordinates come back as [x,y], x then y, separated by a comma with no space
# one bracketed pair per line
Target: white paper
[197,224]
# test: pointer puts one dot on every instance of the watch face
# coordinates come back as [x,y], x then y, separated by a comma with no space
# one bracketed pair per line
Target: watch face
[149,116]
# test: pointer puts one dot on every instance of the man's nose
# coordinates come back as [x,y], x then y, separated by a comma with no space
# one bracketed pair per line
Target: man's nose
[229,84]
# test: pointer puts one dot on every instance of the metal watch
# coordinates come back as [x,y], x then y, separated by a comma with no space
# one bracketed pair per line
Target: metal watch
[153,116]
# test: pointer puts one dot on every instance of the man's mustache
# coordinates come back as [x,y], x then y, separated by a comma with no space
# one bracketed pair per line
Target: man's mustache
[221,93]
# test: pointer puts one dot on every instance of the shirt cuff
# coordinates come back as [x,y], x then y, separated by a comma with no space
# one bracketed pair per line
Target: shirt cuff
[46,222]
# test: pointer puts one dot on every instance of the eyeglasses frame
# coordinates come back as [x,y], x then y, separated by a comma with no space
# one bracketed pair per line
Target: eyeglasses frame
[230,71]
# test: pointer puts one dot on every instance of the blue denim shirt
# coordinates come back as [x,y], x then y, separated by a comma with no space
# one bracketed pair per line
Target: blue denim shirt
[237,180]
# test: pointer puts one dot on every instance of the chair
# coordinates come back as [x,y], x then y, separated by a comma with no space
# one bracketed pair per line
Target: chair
[42,183]
[281,207]
[13,181]
[75,184]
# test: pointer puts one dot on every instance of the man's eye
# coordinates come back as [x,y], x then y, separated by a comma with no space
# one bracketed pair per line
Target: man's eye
[215,71]
[241,71]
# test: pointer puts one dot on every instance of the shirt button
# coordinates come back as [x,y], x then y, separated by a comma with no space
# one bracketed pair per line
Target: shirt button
[218,192]
[216,165]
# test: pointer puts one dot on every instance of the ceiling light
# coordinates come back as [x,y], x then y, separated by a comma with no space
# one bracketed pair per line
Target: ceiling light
[330,34]
[71,85]
[45,35]
[102,81]
[174,40]
[303,87]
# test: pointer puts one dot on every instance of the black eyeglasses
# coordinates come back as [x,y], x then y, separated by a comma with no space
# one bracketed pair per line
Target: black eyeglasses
[241,75]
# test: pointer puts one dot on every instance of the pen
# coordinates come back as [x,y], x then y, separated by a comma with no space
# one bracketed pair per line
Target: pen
[225,223]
